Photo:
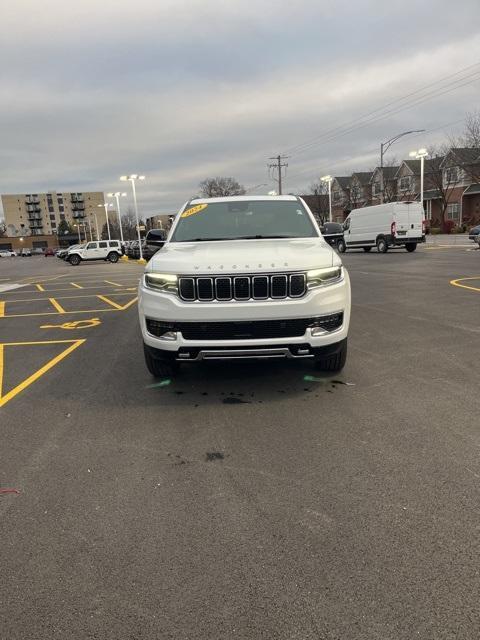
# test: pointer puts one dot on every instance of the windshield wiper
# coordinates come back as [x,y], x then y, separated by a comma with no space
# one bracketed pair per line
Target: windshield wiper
[256,237]
[204,239]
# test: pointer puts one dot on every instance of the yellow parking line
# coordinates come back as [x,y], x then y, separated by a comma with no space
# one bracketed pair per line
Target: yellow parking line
[111,302]
[2,309]
[1,369]
[15,291]
[76,285]
[82,295]
[456,283]
[39,287]
[57,306]
[38,374]
[115,284]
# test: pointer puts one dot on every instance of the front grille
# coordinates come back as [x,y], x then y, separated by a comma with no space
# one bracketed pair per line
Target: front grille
[241,288]
[245,330]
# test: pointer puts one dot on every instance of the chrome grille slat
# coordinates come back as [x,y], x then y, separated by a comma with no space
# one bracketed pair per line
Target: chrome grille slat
[241,288]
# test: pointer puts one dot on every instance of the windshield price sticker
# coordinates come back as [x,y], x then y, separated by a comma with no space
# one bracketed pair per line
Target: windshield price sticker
[193,210]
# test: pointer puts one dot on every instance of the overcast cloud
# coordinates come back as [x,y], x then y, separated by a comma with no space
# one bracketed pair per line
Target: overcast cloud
[182,90]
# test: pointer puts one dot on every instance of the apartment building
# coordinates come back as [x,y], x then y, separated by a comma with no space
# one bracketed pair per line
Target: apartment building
[39,214]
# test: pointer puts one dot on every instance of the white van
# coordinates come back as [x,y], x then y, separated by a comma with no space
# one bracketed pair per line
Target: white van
[394,224]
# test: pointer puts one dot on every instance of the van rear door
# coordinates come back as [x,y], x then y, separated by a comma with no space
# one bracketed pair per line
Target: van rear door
[408,220]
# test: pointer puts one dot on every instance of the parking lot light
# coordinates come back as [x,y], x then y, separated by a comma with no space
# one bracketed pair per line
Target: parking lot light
[420,154]
[117,195]
[132,179]
[106,206]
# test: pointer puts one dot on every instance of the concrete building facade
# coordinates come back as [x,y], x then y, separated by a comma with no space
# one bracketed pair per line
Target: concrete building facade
[39,214]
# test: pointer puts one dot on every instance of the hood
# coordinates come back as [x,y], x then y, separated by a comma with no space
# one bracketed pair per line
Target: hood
[243,256]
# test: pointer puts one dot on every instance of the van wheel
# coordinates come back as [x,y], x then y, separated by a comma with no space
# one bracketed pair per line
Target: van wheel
[382,246]
[367,249]
[411,246]
[75,260]
[333,362]
[341,246]
[113,257]
[159,367]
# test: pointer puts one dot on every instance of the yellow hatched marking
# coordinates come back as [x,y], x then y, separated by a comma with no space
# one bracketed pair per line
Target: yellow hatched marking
[115,284]
[76,285]
[56,305]
[38,374]
[39,287]
[110,302]
[2,309]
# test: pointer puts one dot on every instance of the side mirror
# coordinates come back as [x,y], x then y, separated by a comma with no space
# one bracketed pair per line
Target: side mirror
[155,237]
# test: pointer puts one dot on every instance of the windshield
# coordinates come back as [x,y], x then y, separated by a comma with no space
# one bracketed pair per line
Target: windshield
[242,219]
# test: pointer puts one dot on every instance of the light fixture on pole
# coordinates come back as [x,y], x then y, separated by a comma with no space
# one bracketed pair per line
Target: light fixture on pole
[420,154]
[117,195]
[386,145]
[328,180]
[106,206]
[96,225]
[132,179]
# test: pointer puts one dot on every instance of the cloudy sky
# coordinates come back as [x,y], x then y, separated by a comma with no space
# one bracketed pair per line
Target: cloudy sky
[185,89]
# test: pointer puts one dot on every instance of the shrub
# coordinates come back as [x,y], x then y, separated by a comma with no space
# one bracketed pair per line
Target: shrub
[435,231]
[448,226]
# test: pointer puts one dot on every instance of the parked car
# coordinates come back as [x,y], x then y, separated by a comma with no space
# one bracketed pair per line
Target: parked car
[63,252]
[103,250]
[26,252]
[244,277]
[130,251]
[332,232]
[48,252]
[7,253]
[474,233]
[394,224]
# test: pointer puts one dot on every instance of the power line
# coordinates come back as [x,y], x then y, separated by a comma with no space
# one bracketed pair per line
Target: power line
[348,127]
[278,166]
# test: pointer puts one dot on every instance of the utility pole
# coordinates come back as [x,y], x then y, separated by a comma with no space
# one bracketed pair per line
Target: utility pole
[278,166]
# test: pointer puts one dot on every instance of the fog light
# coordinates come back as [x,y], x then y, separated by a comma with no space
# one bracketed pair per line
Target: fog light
[169,335]
[318,331]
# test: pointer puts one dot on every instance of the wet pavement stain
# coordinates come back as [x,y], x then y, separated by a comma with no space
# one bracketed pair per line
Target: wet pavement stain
[234,400]
[212,456]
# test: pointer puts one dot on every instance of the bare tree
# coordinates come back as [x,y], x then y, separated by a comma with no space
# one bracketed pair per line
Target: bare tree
[471,131]
[219,187]
[444,182]
[3,229]
[129,225]
[320,204]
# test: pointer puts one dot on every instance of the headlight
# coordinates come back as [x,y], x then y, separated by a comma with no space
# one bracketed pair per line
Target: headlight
[324,277]
[165,282]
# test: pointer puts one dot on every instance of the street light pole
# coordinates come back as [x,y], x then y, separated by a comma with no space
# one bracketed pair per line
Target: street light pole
[420,154]
[117,196]
[328,180]
[386,145]
[132,178]
[90,227]
[96,225]
[79,238]
[105,205]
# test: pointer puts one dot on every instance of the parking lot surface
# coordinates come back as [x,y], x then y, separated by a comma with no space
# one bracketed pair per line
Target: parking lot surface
[241,500]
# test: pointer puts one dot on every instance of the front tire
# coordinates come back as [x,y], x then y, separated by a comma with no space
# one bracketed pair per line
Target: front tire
[341,246]
[382,246]
[159,367]
[411,246]
[112,257]
[75,260]
[332,362]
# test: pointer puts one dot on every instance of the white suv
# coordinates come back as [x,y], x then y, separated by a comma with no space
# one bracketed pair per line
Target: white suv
[244,277]
[104,250]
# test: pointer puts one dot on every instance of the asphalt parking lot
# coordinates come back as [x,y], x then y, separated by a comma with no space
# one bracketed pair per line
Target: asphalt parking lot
[241,500]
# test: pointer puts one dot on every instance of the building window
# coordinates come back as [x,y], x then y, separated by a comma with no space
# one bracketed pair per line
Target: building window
[52,217]
[51,209]
[453,211]
[451,175]
[355,191]
[62,216]
[54,224]
[61,207]
[377,188]
[405,183]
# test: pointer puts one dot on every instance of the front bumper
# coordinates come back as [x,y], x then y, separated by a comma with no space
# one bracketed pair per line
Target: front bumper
[317,302]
